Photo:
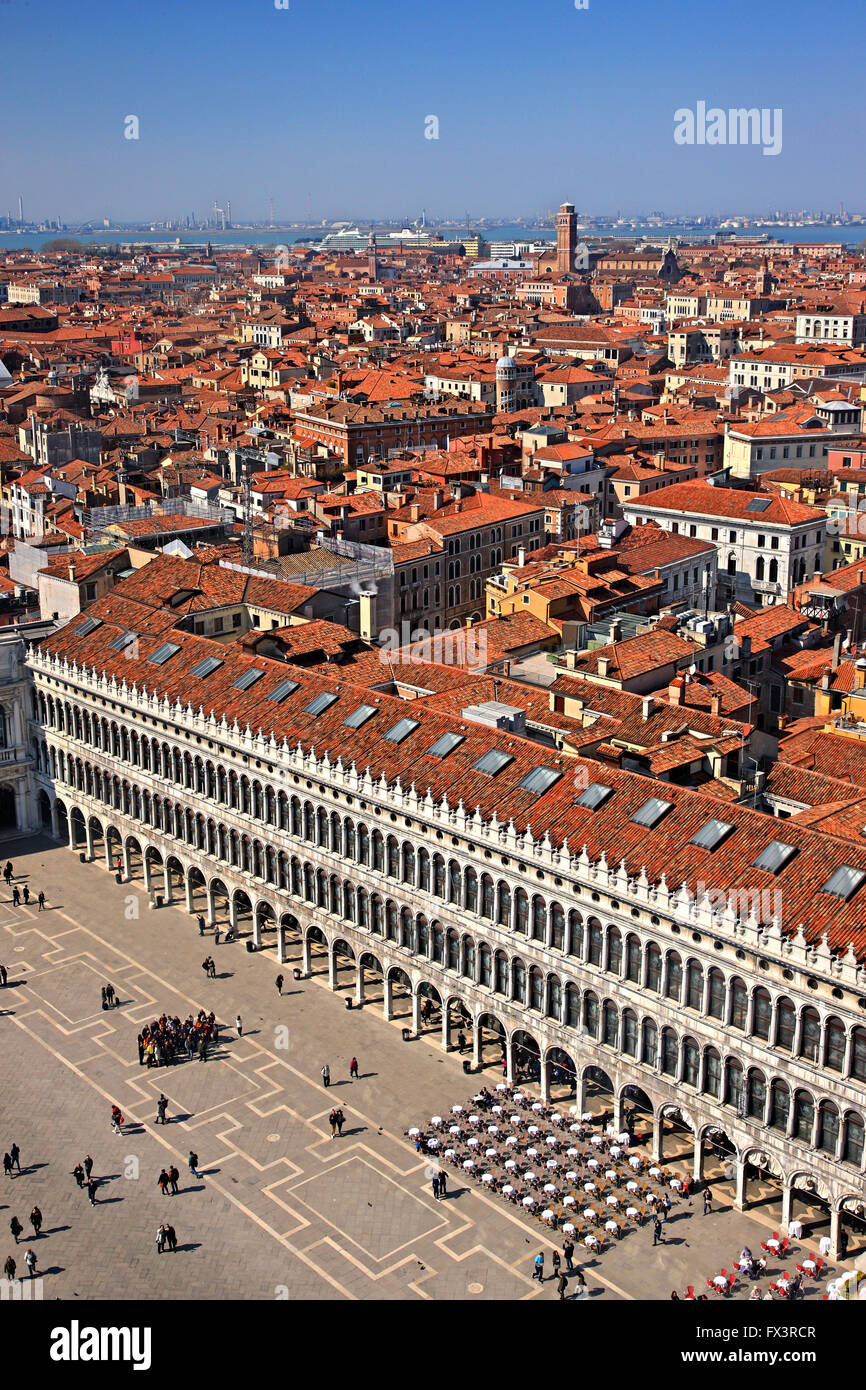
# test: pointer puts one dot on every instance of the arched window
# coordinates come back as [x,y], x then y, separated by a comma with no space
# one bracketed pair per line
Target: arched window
[391,922]
[774,570]
[712,1072]
[438,876]
[452,950]
[810,1040]
[422,936]
[455,883]
[858,1054]
[614,950]
[675,976]
[834,1056]
[694,985]
[518,979]
[590,1014]
[393,858]
[557,926]
[470,883]
[691,1062]
[653,967]
[780,1106]
[378,851]
[363,845]
[852,1151]
[539,919]
[408,863]
[756,1094]
[650,1043]
[759,567]
[424,870]
[486,896]
[377,911]
[739,1003]
[521,917]
[828,1128]
[485,962]
[500,982]
[536,989]
[629,1033]
[804,1116]
[438,947]
[596,942]
[734,1088]
[575,934]
[351,850]
[572,1006]
[670,1052]
[716,1001]
[632,959]
[762,1016]
[786,1024]
[503,904]
[468,958]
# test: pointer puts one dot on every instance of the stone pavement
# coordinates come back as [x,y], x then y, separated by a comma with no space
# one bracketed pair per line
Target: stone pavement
[282,1210]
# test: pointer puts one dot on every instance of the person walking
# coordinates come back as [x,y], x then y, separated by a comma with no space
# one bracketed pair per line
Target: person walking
[104,998]
[171,1239]
[568,1252]
[341,1120]
[202,1049]
[36,1220]
[538,1268]
[88,1165]
[443,1184]
[92,1185]
[111,995]
[16,896]
[41,900]
[173,1176]
[332,1121]
[30,1261]
[16,1228]
[562,1285]
[708,1201]
[657,1230]
[15,1155]
[78,1174]
[162,1181]
[161,1107]
[279,984]
[326,1075]
[461,1041]
[116,1120]
[160,1239]
[239,1026]
[556,1262]
[353,1069]
[192,1162]
[212,967]
[434,1183]
[26,894]
[687,1189]
[9,1268]
[7,872]
[200,922]
[3,975]
[7,1164]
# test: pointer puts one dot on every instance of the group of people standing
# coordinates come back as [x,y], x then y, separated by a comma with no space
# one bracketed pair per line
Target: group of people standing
[166,1039]
[20,895]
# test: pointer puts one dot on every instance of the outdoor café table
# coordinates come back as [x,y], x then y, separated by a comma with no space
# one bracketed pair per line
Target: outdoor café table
[556,1117]
[432,1143]
[457,1110]
[496,1109]
[502,1086]
[586,1116]
[611,1173]
[468,1163]
[631,1211]
[414,1130]
[572,1153]
[720,1281]
[612,1201]
[508,1189]
[589,1187]
[454,1129]
[773,1244]
[676,1184]
[550,1187]
[547,1214]
[473,1143]
[436,1120]
[631,1186]
[623,1138]
[610,1131]
[615,1151]
[596,1139]
[512,1139]
[568,1201]
[450,1153]
[486,1177]
[516,1119]
[651,1196]
[490,1153]
[575,1129]
[809,1266]
[533,1129]
[530,1177]
[510,1163]
[611,1226]
[568,1229]
[635,1161]
[529,1201]
[655,1172]
[590,1214]
[593,1163]
[492,1129]
[532,1153]
[475,1119]
[795,1229]
[590,1241]
[536,1105]
[552,1163]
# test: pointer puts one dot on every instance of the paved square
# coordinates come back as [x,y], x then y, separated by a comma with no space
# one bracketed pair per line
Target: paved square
[383,1218]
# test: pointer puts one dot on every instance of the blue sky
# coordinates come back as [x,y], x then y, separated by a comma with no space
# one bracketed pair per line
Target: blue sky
[323,106]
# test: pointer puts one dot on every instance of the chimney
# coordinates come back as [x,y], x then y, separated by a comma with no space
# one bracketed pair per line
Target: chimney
[603,665]
[648,704]
[837,650]
[675,691]
[616,630]
[521,557]
[716,705]
[71,571]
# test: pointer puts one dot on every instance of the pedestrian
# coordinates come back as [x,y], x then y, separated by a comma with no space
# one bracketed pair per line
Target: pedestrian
[3,975]
[160,1239]
[15,1155]
[162,1181]
[556,1262]
[434,1183]
[353,1069]
[239,1026]
[88,1165]
[30,1261]
[708,1201]
[538,1268]
[579,1281]
[213,967]
[104,998]
[7,872]
[332,1121]
[92,1185]
[171,1238]
[111,994]
[16,896]
[200,920]
[279,984]
[9,1268]
[78,1174]
[26,893]
[173,1176]
[36,1220]
[7,1164]
[202,1049]
[205,965]
[193,1163]
[657,1230]
[116,1120]
[443,1184]
[41,901]
[16,1228]
[562,1285]
[687,1190]
[568,1252]
[326,1075]
[341,1120]
[161,1107]
[461,1041]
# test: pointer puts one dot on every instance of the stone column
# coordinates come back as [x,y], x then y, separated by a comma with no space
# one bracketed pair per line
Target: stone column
[359,984]
[476,1044]
[211,910]
[145,869]
[544,1075]
[167,878]
[107,851]
[835,1225]
[389,997]
[849,1053]
[740,1194]
[416,1013]
[332,968]
[125,877]
[446,1028]
[281,943]
[658,1139]
[509,1057]
[306,961]
[88,836]
[257,929]
[187,892]
[618,1106]
[698,1164]
[787,1205]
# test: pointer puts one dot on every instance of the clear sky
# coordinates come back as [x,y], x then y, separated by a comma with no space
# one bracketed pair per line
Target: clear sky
[322,106]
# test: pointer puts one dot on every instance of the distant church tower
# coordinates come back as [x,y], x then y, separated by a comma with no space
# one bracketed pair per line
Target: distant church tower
[372,259]
[763,280]
[566,238]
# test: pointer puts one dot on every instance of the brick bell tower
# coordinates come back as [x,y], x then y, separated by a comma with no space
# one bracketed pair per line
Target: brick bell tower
[566,238]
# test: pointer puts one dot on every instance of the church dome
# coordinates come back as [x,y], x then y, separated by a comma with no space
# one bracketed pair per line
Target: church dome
[506,364]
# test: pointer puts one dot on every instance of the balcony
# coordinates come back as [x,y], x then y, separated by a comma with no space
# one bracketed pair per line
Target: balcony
[13,755]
